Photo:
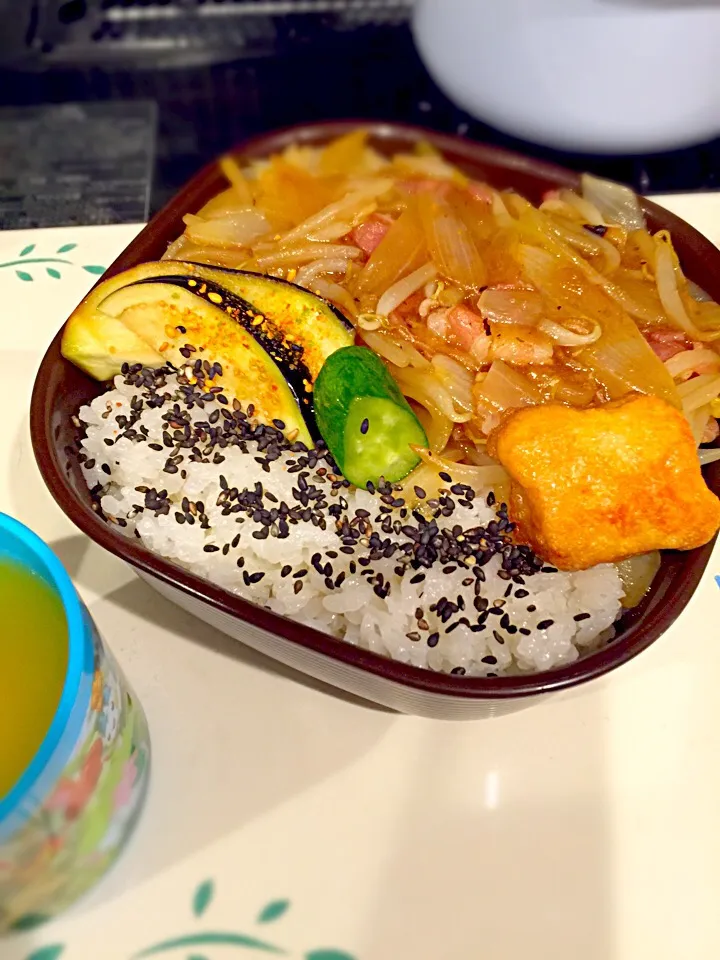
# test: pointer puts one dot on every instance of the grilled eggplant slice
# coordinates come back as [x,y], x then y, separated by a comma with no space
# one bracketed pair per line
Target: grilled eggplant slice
[184,327]
[296,329]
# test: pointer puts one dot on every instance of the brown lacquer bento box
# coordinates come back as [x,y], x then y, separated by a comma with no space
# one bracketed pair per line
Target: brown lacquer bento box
[61,388]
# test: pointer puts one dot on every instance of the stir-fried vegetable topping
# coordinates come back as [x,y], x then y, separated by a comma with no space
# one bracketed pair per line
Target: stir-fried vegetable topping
[575,296]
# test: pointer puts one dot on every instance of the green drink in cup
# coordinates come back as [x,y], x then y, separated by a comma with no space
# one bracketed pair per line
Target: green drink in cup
[74,746]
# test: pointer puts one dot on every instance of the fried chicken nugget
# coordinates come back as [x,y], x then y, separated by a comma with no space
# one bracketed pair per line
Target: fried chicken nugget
[601,484]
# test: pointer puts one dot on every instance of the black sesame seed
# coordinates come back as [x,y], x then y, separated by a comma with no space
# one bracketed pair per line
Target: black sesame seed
[286,570]
[544,624]
[210,548]
[532,608]
[581,616]
[490,659]
[432,640]
[364,426]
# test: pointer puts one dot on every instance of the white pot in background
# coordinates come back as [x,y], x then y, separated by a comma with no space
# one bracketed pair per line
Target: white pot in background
[609,76]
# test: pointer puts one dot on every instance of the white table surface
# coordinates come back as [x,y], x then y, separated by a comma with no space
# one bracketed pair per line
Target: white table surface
[585,828]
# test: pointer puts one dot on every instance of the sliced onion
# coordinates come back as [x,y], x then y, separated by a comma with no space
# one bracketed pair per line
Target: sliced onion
[637,575]
[456,379]
[617,203]
[568,338]
[564,209]
[232,170]
[224,205]
[710,455]
[242,228]
[307,253]
[588,243]
[475,477]
[437,428]
[518,345]
[450,243]
[401,354]
[621,359]
[341,228]
[693,361]
[511,305]
[428,166]
[698,393]
[505,389]
[319,267]
[335,231]
[427,390]
[587,210]
[342,209]
[415,358]
[404,288]
[698,419]
[175,248]
[697,293]
[500,211]
[535,224]
[666,279]
[333,291]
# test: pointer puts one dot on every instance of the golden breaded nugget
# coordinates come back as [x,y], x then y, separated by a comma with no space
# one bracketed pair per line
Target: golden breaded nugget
[605,483]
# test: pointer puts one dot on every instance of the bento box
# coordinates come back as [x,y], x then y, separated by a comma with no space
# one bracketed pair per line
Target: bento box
[61,388]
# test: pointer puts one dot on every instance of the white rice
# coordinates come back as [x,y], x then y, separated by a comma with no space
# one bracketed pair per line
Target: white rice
[352,610]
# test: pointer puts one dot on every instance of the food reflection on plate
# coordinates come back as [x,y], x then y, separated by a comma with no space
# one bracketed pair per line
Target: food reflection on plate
[407,409]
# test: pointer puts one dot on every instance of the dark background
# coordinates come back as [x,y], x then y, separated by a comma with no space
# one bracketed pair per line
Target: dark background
[209,73]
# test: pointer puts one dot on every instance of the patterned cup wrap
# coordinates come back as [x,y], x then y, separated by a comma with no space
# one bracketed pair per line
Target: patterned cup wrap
[73,828]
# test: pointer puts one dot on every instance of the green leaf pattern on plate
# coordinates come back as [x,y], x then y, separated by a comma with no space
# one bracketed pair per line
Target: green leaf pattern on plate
[203,897]
[202,900]
[51,952]
[22,261]
[273,911]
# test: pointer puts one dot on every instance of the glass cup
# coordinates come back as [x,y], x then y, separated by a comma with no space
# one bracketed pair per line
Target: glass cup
[66,820]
